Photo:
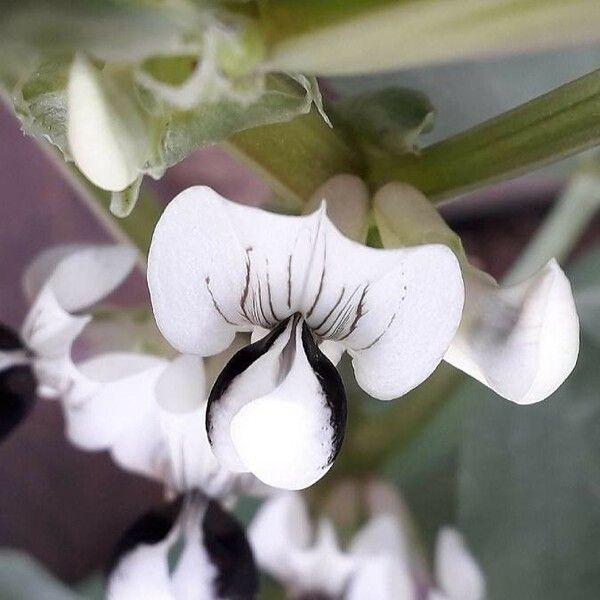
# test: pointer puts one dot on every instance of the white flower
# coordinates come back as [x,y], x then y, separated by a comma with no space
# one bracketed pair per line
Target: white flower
[61,283]
[278,408]
[215,562]
[107,135]
[379,563]
[284,546]
[150,413]
[520,340]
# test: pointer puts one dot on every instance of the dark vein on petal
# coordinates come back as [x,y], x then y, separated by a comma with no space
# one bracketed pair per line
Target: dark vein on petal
[246,285]
[341,313]
[380,335]
[269,295]
[314,304]
[359,313]
[289,298]
[215,303]
[337,303]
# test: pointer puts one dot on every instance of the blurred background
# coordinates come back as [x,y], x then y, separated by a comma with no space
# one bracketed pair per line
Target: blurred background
[66,508]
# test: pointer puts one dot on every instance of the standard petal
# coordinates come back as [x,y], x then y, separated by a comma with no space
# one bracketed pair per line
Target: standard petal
[289,430]
[280,528]
[216,267]
[88,274]
[522,341]
[457,574]
[408,319]
[42,266]
[196,273]
[107,136]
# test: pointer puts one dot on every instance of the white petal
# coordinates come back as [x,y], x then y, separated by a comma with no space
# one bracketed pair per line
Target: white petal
[216,267]
[279,529]
[42,266]
[49,330]
[383,534]
[181,397]
[522,340]
[322,568]
[114,395]
[456,572]
[107,136]
[87,275]
[410,316]
[382,578]
[142,574]
[289,435]
[347,198]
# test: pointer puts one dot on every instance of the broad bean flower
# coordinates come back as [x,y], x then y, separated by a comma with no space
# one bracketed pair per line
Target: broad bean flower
[520,340]
[61,283]
[379,563]
[278,408]
[213,560]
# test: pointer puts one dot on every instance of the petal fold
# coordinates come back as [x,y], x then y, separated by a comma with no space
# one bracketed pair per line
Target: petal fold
[107,136]
[523,340]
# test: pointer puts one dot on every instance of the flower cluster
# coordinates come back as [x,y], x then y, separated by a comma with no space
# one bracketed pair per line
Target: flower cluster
[262,307]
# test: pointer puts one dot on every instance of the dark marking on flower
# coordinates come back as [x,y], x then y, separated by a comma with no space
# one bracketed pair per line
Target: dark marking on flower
[229,551]
[380,335]
[289,269]
[151,528]
[320,290]
[333,389]
[333,308]
[360,312]
[246,289]
[215,303]
[9,339]
[269,294]
[238,363]
[17,385]
[17,397]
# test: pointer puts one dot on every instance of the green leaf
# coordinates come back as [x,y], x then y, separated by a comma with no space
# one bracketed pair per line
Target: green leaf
[391,119]
[528,494]
[330,37]
[184,131]
[22,578]
[558,124]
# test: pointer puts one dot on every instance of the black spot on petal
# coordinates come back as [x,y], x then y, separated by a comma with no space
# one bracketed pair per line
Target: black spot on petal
[229,551]
[17,397]
[149,529]
[333,388]
[238,363]
[9,339]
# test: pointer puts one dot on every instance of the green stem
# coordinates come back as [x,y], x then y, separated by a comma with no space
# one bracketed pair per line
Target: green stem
[297,156]
[558,124]
[136,229]
[563,227]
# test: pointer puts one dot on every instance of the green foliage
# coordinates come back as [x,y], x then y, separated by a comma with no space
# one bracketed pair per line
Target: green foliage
[391,119]
[585,278]
[22,578]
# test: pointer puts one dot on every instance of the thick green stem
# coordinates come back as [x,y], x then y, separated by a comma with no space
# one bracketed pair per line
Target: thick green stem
[558,124]
[568,219]
[296,157]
